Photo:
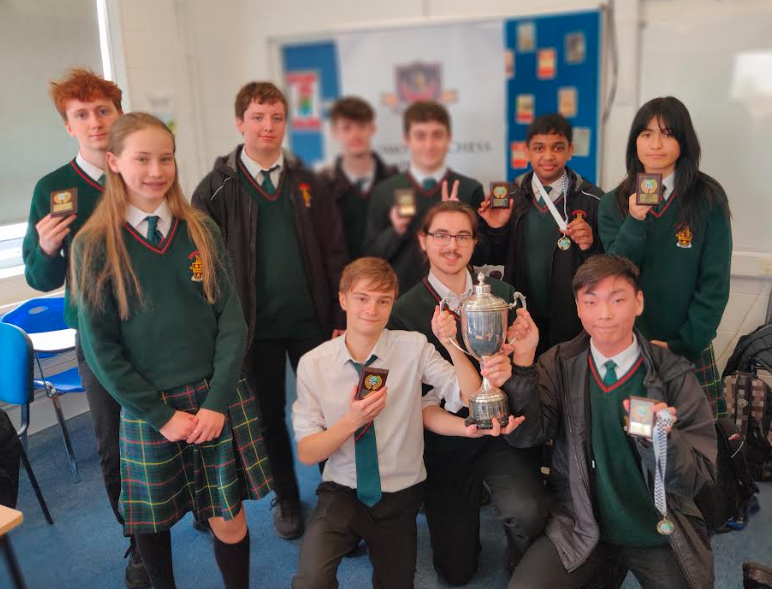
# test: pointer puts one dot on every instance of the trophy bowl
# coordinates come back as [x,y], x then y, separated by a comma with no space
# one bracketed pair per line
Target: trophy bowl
[484,331]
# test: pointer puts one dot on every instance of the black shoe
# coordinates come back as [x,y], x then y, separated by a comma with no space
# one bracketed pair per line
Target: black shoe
[287,518]
[136,575]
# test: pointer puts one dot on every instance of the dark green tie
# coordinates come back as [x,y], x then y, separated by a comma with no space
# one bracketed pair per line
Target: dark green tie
[102,179]
[610,377]
[366,451]
[360,185]
[429,183]
[267,183]
[153,234]
[547,189]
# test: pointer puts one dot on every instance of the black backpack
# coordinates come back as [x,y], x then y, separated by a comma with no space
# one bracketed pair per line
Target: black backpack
[724,505]
[749,400]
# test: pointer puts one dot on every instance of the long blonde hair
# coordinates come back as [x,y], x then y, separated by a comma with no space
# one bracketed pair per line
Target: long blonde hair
[102,261]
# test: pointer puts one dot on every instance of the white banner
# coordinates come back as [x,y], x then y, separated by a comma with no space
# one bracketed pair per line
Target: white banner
[461,66]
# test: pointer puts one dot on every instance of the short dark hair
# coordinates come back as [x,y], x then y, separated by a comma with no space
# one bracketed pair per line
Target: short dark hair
[551,124]
[450,206]
[260,92]
[352,108]
[425,111]
[601,266]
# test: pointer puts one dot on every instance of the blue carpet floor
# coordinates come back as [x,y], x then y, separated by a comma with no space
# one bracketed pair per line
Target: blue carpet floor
[84,549]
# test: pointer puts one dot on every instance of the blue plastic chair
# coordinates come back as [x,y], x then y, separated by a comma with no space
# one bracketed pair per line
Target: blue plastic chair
[16,388]
[38,316]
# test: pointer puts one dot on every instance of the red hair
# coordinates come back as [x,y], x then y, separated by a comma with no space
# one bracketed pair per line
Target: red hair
[84,85]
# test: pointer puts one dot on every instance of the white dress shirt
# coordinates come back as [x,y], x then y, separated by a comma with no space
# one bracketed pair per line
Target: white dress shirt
[668,184]
[444,292]
[437,176]
[138,219]
[258,172]
[367,179]
[556,188]
[326,378]
[624,360]
[93,172]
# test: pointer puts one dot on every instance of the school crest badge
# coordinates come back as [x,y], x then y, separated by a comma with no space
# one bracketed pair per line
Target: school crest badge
[579,214]
[305,191]
[684,237]
[418,81]
[196,268]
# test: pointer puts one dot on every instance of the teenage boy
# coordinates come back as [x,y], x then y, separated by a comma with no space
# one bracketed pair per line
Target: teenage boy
[284,239]
[88,105]
[538,258]
[357,170]
[392,227]
[455,466]
[372,483]
[604,481]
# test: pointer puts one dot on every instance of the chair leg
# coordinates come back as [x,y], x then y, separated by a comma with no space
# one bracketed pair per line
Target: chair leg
[13,564]
[35,487]
[24,425]
[66,437]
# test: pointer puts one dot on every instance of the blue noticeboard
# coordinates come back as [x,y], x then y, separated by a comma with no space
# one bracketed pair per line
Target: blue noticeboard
[553,65]
[311,80]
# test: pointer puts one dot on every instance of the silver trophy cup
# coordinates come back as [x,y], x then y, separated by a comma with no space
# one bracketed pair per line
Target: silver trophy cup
[484,330]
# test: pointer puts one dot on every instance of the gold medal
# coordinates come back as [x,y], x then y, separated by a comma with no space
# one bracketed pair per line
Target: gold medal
[665,527]
[564,242]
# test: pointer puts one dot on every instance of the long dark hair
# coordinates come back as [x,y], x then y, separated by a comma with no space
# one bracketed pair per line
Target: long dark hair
[692,186]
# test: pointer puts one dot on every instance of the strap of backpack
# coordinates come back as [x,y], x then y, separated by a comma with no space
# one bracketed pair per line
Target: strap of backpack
[726,428]
[742,401]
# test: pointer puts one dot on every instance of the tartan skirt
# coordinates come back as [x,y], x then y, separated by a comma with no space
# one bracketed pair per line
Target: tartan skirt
[161,480]
[707,373]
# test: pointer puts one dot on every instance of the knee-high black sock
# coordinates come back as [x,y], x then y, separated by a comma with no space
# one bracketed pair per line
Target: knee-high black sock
[156,552]
[233,562]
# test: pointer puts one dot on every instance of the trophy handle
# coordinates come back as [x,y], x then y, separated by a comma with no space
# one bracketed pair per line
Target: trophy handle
[443,305]
[516,296]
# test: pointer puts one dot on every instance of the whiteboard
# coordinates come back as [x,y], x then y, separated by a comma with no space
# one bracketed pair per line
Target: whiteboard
[717,59]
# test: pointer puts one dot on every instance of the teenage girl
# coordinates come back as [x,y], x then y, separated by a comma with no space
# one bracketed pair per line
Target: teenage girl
[164,332]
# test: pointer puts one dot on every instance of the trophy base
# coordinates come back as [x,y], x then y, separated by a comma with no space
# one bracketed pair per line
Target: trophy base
[487,406]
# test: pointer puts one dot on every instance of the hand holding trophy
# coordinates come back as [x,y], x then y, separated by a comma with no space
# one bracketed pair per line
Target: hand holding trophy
[484,329]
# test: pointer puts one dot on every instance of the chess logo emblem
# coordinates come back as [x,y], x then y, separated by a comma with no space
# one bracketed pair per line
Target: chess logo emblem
[196,268]
[373,382]
[643,413]
[649,186]
[684,237]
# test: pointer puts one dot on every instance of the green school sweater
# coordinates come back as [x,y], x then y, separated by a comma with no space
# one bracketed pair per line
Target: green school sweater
[285,308]
[684,270]
[175,338]
[625,508]
[541,235]
[402,251]
[46,273]
[354,208]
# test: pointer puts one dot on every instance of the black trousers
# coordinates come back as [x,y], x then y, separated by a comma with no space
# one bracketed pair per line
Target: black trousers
[541,568]
[106,415]
[267,377]
[456,468]
[340,520]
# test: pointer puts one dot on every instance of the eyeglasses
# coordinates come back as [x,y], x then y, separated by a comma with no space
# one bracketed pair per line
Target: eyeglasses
[463,240]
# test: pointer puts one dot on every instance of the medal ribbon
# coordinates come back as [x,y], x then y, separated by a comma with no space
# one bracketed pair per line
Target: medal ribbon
[659,440]
[550,205]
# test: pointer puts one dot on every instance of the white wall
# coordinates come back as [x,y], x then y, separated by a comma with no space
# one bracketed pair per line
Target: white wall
[203,51]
